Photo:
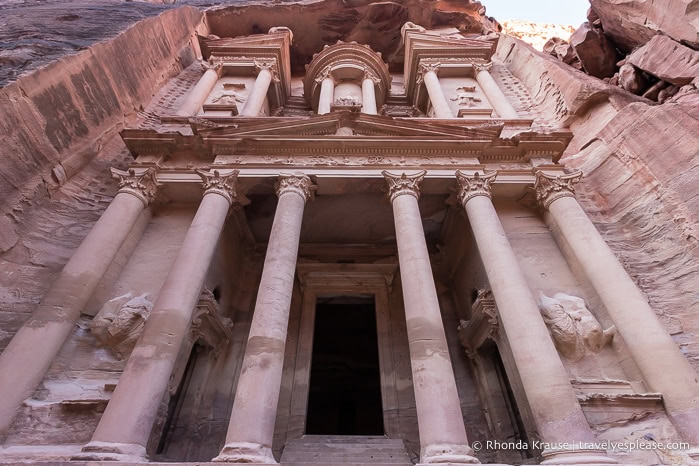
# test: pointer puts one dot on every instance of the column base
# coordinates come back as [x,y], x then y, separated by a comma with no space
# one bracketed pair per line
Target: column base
[447,454]
[108,451]
[245,452]
[577,456]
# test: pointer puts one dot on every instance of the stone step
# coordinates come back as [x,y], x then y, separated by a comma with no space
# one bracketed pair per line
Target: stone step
[345,450]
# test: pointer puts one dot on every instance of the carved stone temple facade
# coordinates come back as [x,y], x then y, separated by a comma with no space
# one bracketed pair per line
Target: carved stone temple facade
[341,262]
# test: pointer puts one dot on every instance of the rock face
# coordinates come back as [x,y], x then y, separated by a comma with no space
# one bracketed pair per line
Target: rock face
[631,23]
[667,60]
[595,52]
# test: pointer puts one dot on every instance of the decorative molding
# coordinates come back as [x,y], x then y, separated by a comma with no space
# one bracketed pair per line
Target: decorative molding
[137,182]
[482,326]
[296,183]
[403,184]
[474,185]
[549,188]
[223,185]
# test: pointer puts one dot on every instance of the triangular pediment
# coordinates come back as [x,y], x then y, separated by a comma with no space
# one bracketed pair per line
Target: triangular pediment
[354,124]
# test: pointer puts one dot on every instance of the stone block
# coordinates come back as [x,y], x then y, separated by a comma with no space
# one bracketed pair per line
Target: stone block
[596,53]
[667,59]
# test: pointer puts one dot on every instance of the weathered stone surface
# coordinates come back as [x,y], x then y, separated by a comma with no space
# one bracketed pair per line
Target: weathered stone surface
[631,23]
[668,60]
[596,53]
[631,79]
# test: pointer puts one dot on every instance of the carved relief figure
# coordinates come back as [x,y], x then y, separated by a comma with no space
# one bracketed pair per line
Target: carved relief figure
[228,99]
[575,331]
[120,321]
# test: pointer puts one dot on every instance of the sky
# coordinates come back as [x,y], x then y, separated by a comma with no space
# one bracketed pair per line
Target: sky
[571,12]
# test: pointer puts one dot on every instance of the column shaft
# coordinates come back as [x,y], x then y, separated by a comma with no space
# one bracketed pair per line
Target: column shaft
[439,102]
[664,367]
[327,91]
[495,95]
[368,97]
[440,422]
[257,96]
[31,351]
[545,381]
[125,426]
[251,428]
[197,96]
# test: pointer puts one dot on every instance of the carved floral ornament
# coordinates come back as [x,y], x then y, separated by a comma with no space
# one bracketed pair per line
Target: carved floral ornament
[474,185]
[403,184]
[138,182]
[223,185]
[269,65]
[297,183]
[549,188]
[210,65]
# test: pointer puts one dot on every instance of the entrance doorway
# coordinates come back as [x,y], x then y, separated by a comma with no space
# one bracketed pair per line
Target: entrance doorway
[345,385]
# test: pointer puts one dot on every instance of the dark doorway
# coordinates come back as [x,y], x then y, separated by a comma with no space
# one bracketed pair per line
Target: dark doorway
[345,392]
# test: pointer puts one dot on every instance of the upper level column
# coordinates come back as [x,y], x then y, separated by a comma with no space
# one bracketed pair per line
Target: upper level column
[428,74]
[251,429]
[369,93]
[266,73]
[661,362]
[493,92]
[441,425]
[197,96]
[123,431]
[31,351]
[542,374]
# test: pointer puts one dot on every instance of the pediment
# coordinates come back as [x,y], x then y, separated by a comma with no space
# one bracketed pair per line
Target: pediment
[357,125]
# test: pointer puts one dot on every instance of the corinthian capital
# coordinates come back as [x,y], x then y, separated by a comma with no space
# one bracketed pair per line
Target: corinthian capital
[223,185]
[548,188]
[403,184]
[210,65]
[425,67]
[483,67]
[269,65]
[474,185]
[299,184]
[139,182]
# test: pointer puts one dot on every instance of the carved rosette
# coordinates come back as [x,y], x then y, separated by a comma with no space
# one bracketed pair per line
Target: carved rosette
[269,65]
[298,184]
[223,185]
[478,67]
[403,184]
[549,188]
[138,182]
[474,185]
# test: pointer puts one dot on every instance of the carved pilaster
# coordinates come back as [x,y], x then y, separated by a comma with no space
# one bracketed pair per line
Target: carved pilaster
[482,326]
[403,184]
[299,184]
[138,182]
[223,185]
[269,65]
[210,65]
[548,188]
[478,67]
[474,185]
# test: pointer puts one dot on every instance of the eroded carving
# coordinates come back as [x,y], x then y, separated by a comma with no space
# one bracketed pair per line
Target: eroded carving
[403,184]
[575,331]
[119,323]
[483,324]
[137,182]
[548,188]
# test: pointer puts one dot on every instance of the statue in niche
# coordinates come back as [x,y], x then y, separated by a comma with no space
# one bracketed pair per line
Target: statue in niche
[348,101]
[575,331]
[120,322]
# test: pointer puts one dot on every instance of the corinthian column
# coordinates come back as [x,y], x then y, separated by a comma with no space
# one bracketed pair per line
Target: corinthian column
[661,362]
[542,374]
[26,359]
[198,95]
[441,425]
[266,73]
[369,94]
[251,428]
[125,426]
[493,92]
[327,92]
[434,90]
